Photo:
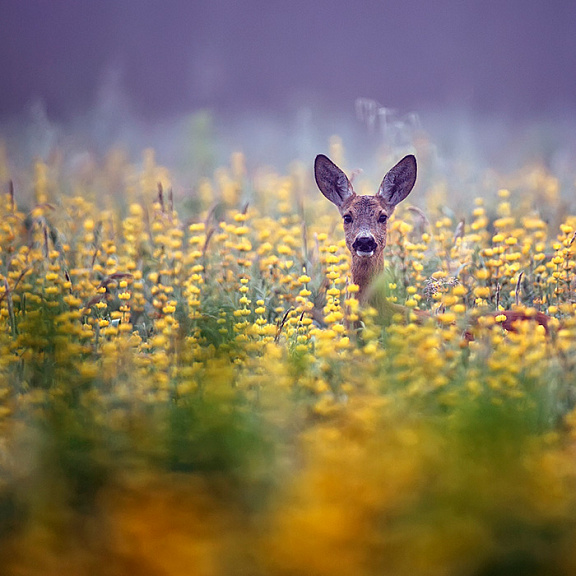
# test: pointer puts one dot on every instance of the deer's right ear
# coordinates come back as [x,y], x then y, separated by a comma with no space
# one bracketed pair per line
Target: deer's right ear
[333,183]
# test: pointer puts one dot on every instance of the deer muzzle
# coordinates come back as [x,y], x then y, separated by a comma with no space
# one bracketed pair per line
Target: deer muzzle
[364,245]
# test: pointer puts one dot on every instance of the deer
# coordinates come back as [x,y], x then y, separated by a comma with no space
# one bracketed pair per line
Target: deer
[365,219]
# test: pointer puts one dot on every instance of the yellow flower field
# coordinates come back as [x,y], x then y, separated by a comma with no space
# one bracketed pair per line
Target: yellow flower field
[189,385]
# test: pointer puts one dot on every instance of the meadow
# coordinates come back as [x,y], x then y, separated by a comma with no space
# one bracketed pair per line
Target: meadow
[188,384]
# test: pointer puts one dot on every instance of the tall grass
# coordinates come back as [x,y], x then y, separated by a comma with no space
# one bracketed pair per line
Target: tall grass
[189,385]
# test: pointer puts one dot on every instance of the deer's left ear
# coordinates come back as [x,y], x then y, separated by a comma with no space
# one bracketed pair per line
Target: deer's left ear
[398,182]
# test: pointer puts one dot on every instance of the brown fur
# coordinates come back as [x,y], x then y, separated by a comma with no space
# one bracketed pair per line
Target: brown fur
[365,216]
[365,211]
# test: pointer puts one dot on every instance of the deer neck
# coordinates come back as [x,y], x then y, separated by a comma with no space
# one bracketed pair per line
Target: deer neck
[364,270]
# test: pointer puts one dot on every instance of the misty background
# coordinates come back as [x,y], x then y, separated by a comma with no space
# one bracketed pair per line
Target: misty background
[486,78]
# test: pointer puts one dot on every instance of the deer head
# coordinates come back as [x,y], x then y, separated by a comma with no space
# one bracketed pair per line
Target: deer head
[365,217]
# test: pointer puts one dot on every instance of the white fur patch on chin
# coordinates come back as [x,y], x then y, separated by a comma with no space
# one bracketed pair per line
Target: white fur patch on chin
[365,254]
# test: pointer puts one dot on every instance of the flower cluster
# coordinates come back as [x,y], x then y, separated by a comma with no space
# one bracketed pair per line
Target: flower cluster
[194,381]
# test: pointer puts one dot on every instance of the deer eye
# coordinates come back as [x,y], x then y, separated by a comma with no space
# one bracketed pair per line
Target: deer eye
[382,218]
[347,219]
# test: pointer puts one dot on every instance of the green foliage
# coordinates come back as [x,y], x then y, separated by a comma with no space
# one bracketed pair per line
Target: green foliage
[212,396]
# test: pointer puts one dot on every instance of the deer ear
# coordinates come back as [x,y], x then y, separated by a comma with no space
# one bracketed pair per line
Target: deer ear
[398,182]
[333,183]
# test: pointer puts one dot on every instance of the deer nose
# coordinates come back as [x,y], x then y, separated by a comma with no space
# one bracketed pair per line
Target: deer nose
[364,245]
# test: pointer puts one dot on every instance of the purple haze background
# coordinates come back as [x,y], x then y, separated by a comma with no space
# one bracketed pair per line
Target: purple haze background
[509,62]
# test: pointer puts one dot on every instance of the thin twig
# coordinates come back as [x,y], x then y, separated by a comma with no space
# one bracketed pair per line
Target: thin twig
[11,195]
[518,288]
[161,196]
[281,324]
